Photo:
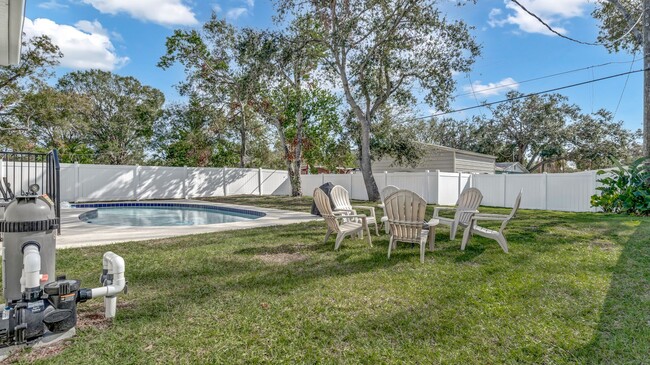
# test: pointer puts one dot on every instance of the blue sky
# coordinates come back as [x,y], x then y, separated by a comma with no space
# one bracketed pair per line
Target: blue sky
[128,37]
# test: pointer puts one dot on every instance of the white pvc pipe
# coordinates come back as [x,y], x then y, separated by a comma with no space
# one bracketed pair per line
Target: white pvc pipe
[114,265]
[31,277]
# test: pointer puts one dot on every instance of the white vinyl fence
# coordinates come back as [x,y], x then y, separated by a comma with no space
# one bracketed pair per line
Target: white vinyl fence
[564,192]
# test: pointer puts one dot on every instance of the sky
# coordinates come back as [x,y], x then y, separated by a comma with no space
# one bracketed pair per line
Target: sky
[128,37]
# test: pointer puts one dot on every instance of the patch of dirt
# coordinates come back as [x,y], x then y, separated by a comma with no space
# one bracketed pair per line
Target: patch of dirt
[281,258]
[93,320]
[36,354]
[604,245]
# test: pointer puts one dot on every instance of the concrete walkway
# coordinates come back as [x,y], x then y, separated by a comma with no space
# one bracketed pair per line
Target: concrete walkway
[75,233]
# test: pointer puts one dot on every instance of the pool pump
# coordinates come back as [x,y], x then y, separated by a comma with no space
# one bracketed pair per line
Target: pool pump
[42,307]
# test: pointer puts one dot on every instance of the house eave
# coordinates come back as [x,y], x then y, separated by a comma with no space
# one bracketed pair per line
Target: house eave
[12,18]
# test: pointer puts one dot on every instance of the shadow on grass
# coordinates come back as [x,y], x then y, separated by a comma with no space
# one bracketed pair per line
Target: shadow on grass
[623,333]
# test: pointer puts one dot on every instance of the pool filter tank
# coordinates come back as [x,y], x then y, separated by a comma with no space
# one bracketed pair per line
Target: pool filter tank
[39,304]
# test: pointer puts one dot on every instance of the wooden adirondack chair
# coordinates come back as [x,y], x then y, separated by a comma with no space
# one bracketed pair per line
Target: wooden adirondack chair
[341,200]
[384,193]
[474,228]
[405,210]
[467,205]
[348,227]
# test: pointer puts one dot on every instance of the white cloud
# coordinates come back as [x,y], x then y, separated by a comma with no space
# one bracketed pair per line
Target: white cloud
[164,12]
[235,13]
[492,88]
[52,4]
[85,45]
[217,8]
[553,12]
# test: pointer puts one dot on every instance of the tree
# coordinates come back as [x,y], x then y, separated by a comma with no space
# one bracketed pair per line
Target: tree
[222,66]
[622,29]
[533,129]
[596,139]
[121,113]
[378,50]
[55,120]
[186,134]
[38,56]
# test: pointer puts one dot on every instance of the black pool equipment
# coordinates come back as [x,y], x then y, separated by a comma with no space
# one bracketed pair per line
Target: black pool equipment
[41,307]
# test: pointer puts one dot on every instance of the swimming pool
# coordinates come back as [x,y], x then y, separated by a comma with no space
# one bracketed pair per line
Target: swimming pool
[162,214]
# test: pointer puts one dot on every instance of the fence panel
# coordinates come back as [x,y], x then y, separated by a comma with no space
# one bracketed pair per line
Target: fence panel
[204,182]
[275,182]
[242,181]
[448,188]
[533,187]
[492,188]
[106,182]
[157,182]
[571,192]
[309,183]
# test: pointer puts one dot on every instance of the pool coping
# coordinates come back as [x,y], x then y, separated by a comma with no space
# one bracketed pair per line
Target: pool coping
[76,233]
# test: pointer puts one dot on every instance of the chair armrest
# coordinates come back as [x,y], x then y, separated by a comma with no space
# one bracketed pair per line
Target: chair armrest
[436,210]
[343,211]
[490,217]
[382,205]
[361,216]
[371,209]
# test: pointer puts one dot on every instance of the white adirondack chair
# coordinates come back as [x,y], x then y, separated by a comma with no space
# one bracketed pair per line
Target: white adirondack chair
[467,204]
[405,210]
[474,228]
[347,227]
[341,200]
[384,193]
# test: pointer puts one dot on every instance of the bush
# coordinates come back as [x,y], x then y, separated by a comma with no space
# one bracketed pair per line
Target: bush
[625,189]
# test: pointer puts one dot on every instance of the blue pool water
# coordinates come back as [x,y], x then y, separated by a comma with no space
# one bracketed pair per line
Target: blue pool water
[137,214]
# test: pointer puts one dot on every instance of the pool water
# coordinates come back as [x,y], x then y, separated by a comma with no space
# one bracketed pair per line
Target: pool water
[163,216]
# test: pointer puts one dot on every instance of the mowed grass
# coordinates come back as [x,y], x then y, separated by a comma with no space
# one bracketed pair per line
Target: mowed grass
[574,289]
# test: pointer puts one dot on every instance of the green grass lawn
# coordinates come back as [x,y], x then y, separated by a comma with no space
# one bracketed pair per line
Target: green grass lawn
[575,288]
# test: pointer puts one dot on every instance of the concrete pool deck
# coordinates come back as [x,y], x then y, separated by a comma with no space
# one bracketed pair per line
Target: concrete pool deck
[76,233]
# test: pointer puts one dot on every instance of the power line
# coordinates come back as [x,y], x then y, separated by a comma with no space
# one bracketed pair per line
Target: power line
[549,76]
[533,94]
[573,39]
[623,91]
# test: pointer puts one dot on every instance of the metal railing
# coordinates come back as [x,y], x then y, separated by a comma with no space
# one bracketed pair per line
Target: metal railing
[20,170]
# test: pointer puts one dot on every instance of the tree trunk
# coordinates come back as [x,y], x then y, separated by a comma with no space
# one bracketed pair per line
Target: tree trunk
[294,179]
[242,132]
[366,162]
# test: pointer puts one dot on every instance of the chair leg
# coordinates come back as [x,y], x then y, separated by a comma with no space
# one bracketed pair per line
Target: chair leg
[423,246]
[387,227]
[452,231]
[339,239]
[466,235]
[376,228]
[502,242]
[327,235]
[390,245]
[369,238]
[432,237]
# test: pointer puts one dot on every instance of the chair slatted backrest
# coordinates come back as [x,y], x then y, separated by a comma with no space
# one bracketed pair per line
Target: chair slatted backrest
[341,198]
[469,200]
[515,207]
[405,210]
[323,204]
[385,192]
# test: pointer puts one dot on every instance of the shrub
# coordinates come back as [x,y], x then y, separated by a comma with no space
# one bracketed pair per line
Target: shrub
[625,189]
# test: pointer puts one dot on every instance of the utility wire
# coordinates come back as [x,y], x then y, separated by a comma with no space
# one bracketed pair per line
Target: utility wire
[546,77]
[532,94]
[623,91]
[573,39]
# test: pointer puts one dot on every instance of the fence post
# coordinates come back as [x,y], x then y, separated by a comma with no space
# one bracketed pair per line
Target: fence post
[460,183]
[185,183]
[437,200]
[259,180]
[385,178]
[351,183]
[136,182]
[322,179]
[545,190]
[428,187]
[76,181]
[225,183]
[505,188]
